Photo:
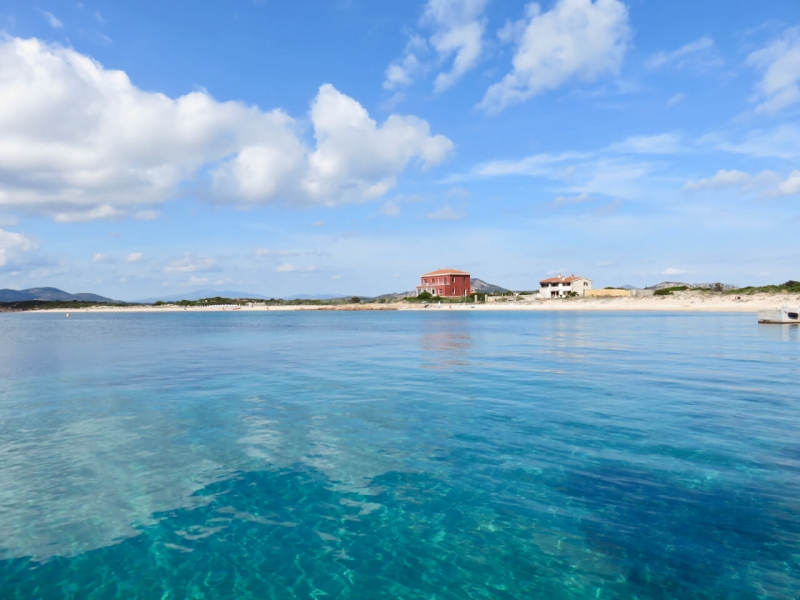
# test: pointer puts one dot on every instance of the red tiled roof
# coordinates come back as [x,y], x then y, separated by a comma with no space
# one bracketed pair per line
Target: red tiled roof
[569,279]
[445,272]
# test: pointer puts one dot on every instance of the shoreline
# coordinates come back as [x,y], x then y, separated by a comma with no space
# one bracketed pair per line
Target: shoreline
[680,302]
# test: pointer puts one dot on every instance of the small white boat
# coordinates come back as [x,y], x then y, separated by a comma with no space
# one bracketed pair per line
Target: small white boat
[780,316]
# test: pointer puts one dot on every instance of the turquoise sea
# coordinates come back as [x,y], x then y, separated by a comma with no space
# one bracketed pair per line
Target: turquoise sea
[398,455]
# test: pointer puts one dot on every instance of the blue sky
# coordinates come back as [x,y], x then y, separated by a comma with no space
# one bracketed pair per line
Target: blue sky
[154,148]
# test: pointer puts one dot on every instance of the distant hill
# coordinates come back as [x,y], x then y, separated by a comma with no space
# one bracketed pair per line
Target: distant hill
[200,294]
[670,284]
[394,296]
[49,293]
[479,285]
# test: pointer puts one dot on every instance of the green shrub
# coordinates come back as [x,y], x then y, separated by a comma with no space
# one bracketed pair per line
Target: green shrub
[790,286]
[668,291]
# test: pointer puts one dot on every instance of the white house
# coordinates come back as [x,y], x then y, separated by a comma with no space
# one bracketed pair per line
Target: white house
[560,287]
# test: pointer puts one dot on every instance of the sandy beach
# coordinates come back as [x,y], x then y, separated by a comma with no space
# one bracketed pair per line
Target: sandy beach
[679,302]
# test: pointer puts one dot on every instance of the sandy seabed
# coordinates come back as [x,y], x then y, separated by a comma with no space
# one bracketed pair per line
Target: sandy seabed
[680,302]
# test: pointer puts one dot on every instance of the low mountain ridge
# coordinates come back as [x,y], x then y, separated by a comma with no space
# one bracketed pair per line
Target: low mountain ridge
[51,294]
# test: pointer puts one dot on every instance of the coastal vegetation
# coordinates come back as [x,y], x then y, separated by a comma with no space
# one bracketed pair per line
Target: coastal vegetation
[789,287]
[23,305]
[221,301]
[427,297]
[422,297]
[669,291]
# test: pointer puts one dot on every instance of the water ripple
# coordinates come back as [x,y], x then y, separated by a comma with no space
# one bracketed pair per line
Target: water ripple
[398,455]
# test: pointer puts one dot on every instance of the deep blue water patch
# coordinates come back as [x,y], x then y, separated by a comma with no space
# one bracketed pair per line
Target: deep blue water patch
[398,455]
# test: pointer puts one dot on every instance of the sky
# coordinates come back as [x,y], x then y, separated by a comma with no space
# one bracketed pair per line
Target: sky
[346,147]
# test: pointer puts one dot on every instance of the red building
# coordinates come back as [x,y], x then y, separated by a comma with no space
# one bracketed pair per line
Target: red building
[447,283]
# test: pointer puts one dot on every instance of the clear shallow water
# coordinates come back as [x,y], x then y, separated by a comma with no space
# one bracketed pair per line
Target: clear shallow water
[398,455]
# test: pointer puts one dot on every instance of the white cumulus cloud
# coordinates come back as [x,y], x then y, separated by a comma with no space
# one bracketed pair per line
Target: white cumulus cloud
[81,142]
[12,243]
[578,40]
[787,187]
[357,159]
[457,29]
[134,257]
[403,71]
[779,86]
